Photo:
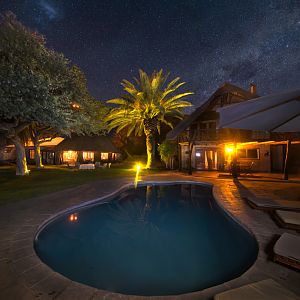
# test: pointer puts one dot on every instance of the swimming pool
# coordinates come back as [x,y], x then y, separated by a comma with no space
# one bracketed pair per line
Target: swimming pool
[158,239]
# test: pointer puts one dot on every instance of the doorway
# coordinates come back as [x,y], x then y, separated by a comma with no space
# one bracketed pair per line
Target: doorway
[277,157]
[205,159]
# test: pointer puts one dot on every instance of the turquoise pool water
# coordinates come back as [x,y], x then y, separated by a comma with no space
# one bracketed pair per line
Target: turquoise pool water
[153,240]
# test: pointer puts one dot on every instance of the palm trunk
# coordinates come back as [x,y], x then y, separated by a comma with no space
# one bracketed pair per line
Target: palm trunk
[149,146]
[21,167]
[150,127]
[37,155]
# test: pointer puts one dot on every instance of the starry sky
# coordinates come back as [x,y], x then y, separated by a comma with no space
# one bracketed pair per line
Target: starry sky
[205,42]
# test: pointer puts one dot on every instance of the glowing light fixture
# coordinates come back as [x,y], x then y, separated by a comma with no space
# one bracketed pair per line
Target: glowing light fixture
[229,150]
[198,154]
[75,105]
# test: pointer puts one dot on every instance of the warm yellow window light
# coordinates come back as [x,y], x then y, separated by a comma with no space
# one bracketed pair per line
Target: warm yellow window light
[87,155]
[69,156]
[104,156]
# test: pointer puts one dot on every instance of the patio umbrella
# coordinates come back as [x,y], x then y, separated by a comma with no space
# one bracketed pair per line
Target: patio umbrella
[278,112]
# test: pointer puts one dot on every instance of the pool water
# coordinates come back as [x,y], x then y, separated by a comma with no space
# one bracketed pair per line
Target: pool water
[153,240]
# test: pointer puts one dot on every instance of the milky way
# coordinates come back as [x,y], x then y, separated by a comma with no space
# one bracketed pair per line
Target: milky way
[206,43]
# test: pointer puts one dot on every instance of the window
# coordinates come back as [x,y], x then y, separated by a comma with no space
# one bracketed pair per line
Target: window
[248,153]
[212,125]
[8,150]
[253,153]
[69,156]
[31,154]
[88,156]
[104,156]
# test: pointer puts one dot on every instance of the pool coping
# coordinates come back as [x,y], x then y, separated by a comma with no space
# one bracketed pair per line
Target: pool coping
[87,292]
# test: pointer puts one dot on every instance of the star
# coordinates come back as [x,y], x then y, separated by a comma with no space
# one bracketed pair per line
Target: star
[206,43]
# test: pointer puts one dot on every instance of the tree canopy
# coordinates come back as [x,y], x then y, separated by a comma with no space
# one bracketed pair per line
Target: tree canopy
[146,105]
[40,87]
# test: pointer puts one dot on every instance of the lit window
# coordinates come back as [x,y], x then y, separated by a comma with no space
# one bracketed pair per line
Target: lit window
[104,156]
[88,156]
[31,154]
[69,156]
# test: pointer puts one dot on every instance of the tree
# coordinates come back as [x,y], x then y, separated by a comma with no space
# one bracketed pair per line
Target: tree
[38,89]
[167,150]
[146,106]
[86,121]
[129,145]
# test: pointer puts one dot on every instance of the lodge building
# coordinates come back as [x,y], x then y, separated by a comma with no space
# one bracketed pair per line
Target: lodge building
[202,146]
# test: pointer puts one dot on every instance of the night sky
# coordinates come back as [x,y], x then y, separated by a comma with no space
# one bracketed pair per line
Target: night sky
[204,42]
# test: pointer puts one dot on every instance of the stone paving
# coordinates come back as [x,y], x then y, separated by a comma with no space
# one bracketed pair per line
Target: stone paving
[24,276]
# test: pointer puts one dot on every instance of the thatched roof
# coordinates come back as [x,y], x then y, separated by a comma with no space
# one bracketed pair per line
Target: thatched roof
[225,88]
[87,143]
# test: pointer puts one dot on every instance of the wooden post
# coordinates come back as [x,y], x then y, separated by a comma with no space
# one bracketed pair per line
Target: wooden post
[190,157]
[286,162]
[179,155]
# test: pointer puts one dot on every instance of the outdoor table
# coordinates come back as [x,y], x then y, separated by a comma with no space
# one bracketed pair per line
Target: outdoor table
[87,166]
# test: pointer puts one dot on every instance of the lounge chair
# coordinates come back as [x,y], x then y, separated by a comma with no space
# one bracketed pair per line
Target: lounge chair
[288,219]
[287,250]
[246,167]
[267,289]
[269,204]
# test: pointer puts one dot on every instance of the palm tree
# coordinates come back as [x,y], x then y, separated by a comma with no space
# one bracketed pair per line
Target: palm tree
[146,106]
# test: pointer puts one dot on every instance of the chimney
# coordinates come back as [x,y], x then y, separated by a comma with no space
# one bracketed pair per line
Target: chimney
[252,88]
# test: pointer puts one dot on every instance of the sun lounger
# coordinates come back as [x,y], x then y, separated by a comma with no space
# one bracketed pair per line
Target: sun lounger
[262,290]
[287,250]
[288,219]
[269,204]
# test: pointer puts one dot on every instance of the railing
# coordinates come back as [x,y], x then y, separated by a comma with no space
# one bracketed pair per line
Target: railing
[199,135]
[214,135]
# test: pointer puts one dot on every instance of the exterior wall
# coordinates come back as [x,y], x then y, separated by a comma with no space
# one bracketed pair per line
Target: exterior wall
[184,164]
[223,160]
[49,156]
[263,163]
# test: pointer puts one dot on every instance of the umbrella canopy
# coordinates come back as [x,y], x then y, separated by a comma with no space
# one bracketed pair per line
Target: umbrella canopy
[277,112]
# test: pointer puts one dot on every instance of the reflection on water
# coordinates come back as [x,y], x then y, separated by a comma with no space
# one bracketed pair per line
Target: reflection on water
[136,180]
[152,240]
[73,218]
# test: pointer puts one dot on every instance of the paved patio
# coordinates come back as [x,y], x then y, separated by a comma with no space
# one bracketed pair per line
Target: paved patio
[24,276]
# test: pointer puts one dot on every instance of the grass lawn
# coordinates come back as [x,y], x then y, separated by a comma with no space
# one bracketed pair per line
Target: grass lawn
[50,179]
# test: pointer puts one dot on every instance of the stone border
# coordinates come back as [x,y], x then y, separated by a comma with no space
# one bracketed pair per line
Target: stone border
[34,279]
